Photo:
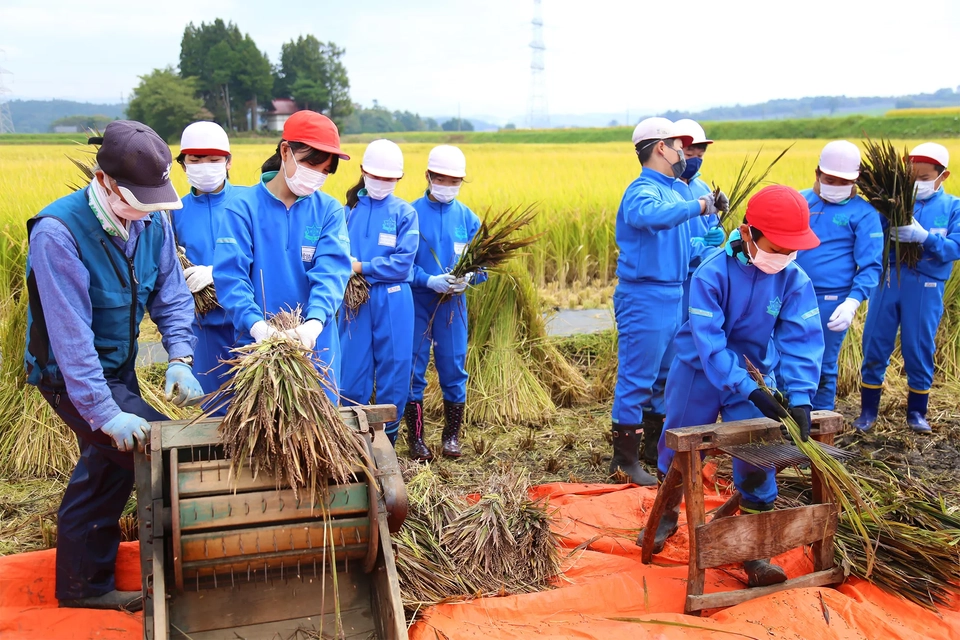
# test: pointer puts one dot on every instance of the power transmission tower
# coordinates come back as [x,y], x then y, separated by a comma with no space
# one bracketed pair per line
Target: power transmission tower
[6,119]
[539,117]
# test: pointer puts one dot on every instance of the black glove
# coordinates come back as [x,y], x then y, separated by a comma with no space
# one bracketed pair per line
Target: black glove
[768,406]
[801,415]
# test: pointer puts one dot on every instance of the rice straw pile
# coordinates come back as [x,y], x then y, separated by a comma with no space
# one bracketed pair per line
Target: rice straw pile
[357,294]
[886,179]
[280,421]
[452,549]
[205,300]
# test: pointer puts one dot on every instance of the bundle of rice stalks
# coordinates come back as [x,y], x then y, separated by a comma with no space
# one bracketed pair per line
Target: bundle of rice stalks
[886,179]
[836,478]
[205,300]
[452,549]
[356,294]
[280,421]
[747,181]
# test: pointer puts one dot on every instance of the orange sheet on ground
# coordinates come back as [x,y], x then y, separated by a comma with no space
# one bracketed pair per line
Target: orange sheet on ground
[605,580]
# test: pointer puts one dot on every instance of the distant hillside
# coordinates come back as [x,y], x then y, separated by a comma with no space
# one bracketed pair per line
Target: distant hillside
[36,116]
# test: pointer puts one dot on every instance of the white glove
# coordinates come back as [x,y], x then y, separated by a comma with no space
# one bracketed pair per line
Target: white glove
[842,316]
[460,284]
[260,331]
[198,277]
[306,334]
[442,283]
[913,232]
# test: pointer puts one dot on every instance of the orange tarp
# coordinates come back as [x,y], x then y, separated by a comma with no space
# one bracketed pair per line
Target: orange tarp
[603,581]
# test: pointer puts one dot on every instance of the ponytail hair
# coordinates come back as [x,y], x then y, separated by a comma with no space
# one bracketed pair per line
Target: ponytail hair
[353,195]
[315,157]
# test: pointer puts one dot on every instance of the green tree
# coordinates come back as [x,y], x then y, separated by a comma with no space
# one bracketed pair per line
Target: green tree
[455,124]
[314,70]
[166,102]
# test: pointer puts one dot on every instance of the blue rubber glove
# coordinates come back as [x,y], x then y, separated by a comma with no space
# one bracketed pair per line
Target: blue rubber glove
[442,283]
[715,237]
[182,388]
[125,429]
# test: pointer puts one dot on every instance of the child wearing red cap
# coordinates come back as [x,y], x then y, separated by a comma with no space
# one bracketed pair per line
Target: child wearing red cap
[284,243]
[751,301]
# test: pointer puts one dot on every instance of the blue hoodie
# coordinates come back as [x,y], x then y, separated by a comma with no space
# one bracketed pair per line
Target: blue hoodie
[652,236]
[384,236]
[850,254]
[700,225]
[940,215]
[195,227]
[738,311]
[269,259]
[445,230]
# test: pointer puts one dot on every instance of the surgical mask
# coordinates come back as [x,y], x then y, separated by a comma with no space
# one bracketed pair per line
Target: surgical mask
[207,176]
[680,165]
[120,208]
[444,193]
[693,167]
[925,189]
[304,181]
[834,194]
[771,262]
[378,189]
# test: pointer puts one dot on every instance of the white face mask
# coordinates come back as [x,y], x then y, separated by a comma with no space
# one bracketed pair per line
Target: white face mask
[378,189]
[924,189]
[834,194]
[305,181]
[207,176]
[771,262]
[444,193]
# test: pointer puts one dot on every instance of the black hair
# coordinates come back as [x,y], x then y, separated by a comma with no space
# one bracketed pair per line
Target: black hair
[353,194]
[645,148]
[182,157]
[698,147]
[314,158]
[940,168]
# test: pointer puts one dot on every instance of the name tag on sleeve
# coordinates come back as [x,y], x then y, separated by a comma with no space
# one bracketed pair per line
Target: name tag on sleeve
[938,231]
[306,253]
[388,240]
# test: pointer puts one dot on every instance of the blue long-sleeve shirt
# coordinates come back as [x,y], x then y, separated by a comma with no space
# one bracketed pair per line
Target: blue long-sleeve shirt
[195,227]
[737,312]
[384,237]
[64,284]
[940,215]
[445,231]
[269,258]
[700,225]
[652,234]
[850,255]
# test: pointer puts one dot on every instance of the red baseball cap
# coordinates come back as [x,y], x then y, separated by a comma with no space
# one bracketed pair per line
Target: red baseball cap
[314,129]
[783,216]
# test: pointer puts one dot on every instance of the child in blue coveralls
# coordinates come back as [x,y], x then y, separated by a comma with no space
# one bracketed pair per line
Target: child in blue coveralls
[912,300]
[753,302]
[446,227]
[205,157]
[846,267]
[384,236]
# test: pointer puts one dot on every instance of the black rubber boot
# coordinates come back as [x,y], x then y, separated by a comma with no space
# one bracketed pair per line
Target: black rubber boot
[626,445]
[114,600]
[761,573]
[413,417]
[652,428]
[453,420]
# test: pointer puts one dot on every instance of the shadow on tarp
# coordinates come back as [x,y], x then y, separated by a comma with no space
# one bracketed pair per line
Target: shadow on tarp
[603,580]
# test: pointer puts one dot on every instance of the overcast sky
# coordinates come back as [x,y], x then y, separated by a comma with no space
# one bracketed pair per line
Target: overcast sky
[603,56]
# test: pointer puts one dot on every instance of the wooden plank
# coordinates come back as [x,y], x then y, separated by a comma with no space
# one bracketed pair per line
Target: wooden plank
[244,509]
[391,481]
[825,423]
[298,563]
[692,469]
[378,414]
[731,598]
[729,507]
[723,434]
[357,625]
[672,483]
[158,577]
[385,597]
[175,525]
[761,535]
[212,477]
[305,537]
[141,468]
[822,550]
[252,603]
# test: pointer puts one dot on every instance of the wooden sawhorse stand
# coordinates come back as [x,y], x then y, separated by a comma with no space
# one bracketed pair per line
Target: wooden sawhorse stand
[726,540]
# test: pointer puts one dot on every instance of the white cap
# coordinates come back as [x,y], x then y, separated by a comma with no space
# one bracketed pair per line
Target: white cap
[383,159]
[447,160]
[931,152]
[658,129]
[205,139]
[692,128]
[840,159]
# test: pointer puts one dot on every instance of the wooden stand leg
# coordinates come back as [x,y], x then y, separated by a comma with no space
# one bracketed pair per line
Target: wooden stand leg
[729,507]
[691,464]
[671,484]
[823,557]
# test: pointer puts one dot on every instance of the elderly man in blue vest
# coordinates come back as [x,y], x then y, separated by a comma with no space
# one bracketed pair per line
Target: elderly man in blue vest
[97,259]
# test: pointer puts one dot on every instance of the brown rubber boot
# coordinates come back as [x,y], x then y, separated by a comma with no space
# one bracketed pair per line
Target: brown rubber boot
[413,417]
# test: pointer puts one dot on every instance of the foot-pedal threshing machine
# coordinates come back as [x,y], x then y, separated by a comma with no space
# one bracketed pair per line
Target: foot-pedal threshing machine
[224,558]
